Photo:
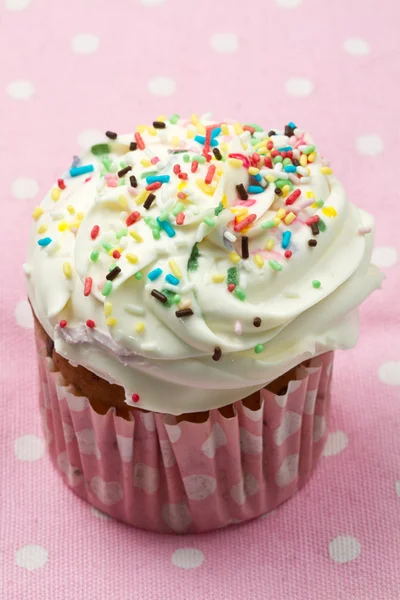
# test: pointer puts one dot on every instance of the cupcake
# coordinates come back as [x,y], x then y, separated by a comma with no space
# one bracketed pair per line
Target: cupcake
[190,283]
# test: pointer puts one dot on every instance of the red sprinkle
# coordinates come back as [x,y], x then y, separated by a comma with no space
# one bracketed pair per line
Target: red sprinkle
[95,232]
[293,197]
[63,323]
[180,217]
[270,145]
[312,220]
[132,218]
[139,141]
[274,153]
[210,174]
[231,287]
[87,179]
[135,397]
[195,166]
[88,286]
[153,186]
[177,169]
[248,128]
[268,162]
[116,254]
[283,154]
[182,196]
[182,176]
[90,323]
[255,157]
[246,221]
[61,184]
[288,253]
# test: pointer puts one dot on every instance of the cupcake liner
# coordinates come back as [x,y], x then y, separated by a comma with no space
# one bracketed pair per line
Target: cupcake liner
[157,474]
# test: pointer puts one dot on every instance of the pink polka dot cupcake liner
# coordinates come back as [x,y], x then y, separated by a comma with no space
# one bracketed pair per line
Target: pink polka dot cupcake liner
[157,474]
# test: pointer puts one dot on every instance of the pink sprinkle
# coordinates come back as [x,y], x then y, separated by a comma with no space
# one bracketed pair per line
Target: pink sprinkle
[108,176]
[364,230]
[133,191]
[155,160]
[139,141]
[210,174]
[244,202]
[180,217]
[312,220]
[112,183]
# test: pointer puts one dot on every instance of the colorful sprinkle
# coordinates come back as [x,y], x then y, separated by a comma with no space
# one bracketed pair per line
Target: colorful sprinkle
[154,274]
[275,265]
[286,239]
[258,259]
[159,296]
[171,279]
[316,284]
[37,212]
[90,323]
[63,323]
[67,269]
[76,171]
[107,288]
[87,286]
[140,327]
[111,321]
[239,293]
[184,312]
[44,241]
[259,348]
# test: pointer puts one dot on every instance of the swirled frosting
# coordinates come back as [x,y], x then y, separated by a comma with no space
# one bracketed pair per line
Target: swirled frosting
[195,261]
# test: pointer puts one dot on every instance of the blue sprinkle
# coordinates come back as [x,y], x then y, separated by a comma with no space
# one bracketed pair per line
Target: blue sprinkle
[45,241]
[172,279]
[289,169]
[215,132]
[161,178]
[292,125]
[75,171]
[202,140]
[154,274]
[285,149]
[257,177]
[169,230]
[255,189]
[286,239]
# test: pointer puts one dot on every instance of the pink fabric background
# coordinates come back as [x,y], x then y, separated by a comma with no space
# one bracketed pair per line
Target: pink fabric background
[287,60]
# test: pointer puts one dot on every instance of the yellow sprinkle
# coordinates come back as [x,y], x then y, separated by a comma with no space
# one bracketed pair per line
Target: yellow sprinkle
[70,209]
[123,202]
[37,212]
[190,133]
[219,171]
[111,321]
[175,269]
[329,211]
[145,162]
[175,140]
[290,217]
[195,119]
[141,197]
[201,130]
[303,160]
[141,128]
[270,244]
[286,189]
[205,188]
[223,147]
[238,128]
[312,157]
[62,226]
[326,171]
[281,213]
[262,151]
[55,194]
[136,236]
[270,178]
[218,278]
[310,195]
[235,258]
[107,309]
[162,118]
[42,229]
[131,257]
[224,201]
[80,216]
[182,185]
[244,145]
[152,131]
[258,259]
[235,163]
[315,205]
[276,222]
[261,144]
[224,129]
[140,327]
[254,171]
[239,212]
[67,269]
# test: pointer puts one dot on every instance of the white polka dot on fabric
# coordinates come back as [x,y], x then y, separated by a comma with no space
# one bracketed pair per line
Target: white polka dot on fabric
[384,256]
[23,188]
[29,447]
[161,86]
[299,86]
[20,90]
[152,2]
[31,557]
[89,137]
[356,47]
[344,549]
[17,4]
[389,372]
[224,42]
[23,314]
[187,558]
[337,441]
[369,144]
[85,43]
[289,3]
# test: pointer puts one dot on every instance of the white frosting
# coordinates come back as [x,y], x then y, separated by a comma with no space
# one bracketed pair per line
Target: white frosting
[169,363]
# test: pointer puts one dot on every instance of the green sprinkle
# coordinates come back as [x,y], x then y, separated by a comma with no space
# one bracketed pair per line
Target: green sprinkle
[239,293]
[193,262]
[174,119]
[308,149]
[107,163]
[178,208]
[176,299]
[151,222]
[277,159]
[316,284]
[98,149]
[164,216]
[281,182]
[138,275]
[233,275]
[94,256]
[112,266]
[186,158]
[156,233]
[121,233]
[256,127]
[320,203]
[148,174]
[321,225]
[254,141]
[107,288]
[275,265]
[170,295]
[200,159]
[219,209]
[122,165]
[209,221]
[286,161]
[268,225]
[259,348]
[107,246]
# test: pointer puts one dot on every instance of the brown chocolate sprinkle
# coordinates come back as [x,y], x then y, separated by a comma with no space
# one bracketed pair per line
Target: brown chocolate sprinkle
[312,243]
[159,296]
[289,130]
[315,228]
[133,146]
[112,135]
[159,125]
[256,321]
[185,312]
[272,132]
[149,201]
[133,181]
[217,353]
[112,274]
[278,191]
[217,154]
[124,171]
[243,195]
[295,162]
[245,247]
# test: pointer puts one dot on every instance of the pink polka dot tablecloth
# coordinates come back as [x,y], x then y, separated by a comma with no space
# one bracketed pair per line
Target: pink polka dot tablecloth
[71,69]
